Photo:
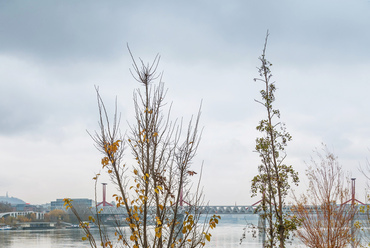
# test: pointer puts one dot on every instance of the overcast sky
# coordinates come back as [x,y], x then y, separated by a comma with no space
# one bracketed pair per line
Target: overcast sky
[52,53]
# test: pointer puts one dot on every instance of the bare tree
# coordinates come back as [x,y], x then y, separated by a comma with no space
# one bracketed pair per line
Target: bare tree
[327,221]
[156,188]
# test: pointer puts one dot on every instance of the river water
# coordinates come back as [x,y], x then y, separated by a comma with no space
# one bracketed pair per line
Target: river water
[227,235]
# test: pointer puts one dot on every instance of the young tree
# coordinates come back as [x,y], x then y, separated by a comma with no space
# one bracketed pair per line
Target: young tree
[56,215]
[327,222]
[153,195]
[273,180]
[84,212]
[22,218]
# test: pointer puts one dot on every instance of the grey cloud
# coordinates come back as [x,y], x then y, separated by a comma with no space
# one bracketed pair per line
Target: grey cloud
[32,103]
[52,53]
[211,31]
[55,30]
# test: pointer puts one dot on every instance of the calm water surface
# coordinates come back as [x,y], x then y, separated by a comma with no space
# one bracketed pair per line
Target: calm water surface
[226,235]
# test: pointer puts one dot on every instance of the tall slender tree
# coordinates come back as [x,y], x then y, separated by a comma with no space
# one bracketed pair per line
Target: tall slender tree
[275,177]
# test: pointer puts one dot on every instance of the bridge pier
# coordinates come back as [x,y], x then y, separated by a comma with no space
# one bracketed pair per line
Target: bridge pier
[178,228]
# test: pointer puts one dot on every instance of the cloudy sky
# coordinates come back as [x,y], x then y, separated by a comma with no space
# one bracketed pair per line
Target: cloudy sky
[52,53]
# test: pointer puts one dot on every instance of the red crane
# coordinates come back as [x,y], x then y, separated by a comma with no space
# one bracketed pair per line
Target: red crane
[104,202]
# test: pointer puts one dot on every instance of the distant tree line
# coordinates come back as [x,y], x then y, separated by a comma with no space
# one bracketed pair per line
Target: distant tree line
[5,207]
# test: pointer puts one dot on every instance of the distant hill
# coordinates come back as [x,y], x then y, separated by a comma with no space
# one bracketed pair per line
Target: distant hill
[11,200]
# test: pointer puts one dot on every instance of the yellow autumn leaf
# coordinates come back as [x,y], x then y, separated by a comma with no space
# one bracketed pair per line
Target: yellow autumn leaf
[208,237]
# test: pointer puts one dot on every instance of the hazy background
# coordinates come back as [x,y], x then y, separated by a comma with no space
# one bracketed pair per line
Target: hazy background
[52,53]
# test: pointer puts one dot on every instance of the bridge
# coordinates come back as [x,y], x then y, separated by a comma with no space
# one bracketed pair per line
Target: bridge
[226,209]
[245,209]
[38,215]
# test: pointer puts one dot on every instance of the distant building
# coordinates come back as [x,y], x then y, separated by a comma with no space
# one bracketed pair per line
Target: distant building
[46,207]
[78,202]
[29,207]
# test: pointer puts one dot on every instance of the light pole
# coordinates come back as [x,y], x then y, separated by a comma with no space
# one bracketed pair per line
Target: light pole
[353,213]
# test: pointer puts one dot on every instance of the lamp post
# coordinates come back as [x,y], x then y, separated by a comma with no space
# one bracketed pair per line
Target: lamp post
[353,182]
